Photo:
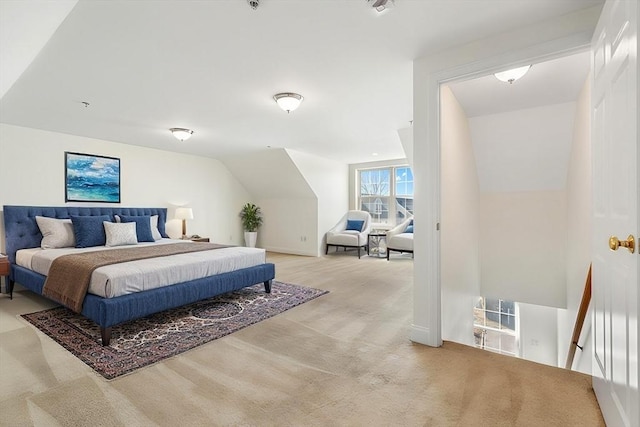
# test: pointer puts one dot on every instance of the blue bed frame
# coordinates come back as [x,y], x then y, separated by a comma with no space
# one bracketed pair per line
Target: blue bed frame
[22,232]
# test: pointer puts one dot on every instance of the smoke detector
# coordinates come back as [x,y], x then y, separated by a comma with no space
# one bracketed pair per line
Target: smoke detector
[254,4]
[381,5]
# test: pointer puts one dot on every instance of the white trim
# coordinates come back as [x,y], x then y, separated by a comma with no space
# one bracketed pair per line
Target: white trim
[354,190]
[391,198]
[420,335]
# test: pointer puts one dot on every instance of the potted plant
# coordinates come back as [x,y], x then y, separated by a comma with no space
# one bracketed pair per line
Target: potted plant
[251,219]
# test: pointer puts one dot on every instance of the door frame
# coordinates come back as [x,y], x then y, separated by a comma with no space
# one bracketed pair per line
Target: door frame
[555,38]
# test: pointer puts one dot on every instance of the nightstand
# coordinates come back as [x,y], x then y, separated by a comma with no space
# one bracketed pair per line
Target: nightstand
[200,239]
[4,270]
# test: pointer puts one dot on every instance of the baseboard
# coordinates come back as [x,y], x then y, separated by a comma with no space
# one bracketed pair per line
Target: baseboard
[422,335]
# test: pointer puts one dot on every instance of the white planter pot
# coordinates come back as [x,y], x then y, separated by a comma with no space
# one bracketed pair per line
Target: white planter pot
[250,238]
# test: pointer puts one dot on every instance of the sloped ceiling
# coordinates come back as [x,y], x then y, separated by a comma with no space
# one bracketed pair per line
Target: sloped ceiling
[522,132]
[25,27]
[213,66]
[270,174]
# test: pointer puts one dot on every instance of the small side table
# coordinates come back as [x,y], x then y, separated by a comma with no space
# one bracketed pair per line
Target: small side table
[200,239]
[377,244]
[5,266]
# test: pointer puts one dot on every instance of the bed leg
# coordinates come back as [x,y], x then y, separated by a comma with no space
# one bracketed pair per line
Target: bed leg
[105,333]
[267,286]
[10,284]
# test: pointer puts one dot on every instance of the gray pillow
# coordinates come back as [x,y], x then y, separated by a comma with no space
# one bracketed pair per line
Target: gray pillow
[56,233]
[120,234]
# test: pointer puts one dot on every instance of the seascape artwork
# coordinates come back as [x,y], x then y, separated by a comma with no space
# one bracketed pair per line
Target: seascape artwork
[91,178]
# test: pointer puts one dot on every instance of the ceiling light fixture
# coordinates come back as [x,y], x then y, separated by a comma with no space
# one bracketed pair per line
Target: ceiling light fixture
[511,76]
[181,134]
[288,101]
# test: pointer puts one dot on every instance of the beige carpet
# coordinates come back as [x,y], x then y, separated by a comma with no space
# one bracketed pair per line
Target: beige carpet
[340,360]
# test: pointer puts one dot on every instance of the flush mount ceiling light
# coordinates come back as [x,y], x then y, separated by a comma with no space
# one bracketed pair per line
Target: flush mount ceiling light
[288,101]
[511,76]
[181,134]
[380,5]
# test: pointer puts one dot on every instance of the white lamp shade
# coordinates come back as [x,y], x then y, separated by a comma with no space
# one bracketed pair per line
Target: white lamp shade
[288,101]
[181,133]
[184,213]
[511,76]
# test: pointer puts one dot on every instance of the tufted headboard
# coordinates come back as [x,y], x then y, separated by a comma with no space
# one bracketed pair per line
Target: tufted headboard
[21,229]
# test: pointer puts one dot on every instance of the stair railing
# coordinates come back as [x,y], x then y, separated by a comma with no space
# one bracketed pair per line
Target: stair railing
[582,313]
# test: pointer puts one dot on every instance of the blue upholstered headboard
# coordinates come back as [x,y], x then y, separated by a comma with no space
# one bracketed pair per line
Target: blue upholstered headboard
[21,229]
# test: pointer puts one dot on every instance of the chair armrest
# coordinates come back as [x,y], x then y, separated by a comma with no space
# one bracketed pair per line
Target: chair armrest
[398,229]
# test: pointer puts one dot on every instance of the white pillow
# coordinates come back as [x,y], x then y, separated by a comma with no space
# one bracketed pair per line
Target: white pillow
[120,234]
[56,233]
[154,227]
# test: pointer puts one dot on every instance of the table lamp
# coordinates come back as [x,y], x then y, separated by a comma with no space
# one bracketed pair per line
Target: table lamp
[184,214]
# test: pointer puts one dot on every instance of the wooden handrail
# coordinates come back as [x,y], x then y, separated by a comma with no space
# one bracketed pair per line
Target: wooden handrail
[582,313]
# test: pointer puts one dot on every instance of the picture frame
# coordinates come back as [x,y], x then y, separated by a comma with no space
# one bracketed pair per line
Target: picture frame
[91,178]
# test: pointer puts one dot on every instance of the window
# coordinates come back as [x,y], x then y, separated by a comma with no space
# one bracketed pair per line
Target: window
[386,193]
[404,193]
[494,325]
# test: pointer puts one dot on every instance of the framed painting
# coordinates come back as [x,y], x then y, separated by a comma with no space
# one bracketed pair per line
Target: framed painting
[91,178]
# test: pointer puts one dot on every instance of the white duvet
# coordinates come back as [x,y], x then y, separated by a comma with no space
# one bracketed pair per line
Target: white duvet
[135,276]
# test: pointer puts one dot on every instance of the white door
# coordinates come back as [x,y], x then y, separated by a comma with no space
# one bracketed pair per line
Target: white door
[615,184]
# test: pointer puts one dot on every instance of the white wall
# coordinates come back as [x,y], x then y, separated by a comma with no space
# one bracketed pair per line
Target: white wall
[538,333]
[406,138]
[275,183]
[523,150]
[523,246]
[459,247]
[290,225]
[578,226]
[328,179]
[301,196]
[32,173]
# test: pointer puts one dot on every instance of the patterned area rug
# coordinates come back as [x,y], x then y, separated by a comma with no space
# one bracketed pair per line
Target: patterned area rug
[145,341]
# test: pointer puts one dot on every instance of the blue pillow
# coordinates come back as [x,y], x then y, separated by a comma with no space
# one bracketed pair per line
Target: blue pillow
[355,224]
[143,226]
[409,229]
[89,230]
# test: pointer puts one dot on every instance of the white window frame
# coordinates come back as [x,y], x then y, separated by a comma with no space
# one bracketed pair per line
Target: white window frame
[392,166]
[502,331]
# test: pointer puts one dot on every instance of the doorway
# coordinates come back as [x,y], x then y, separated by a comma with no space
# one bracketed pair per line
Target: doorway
[515,165]
[558,38]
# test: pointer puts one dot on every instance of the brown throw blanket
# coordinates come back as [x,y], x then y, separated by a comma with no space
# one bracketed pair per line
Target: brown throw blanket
[69,275]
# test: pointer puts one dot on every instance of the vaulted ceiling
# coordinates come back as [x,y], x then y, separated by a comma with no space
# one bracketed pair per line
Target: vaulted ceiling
[214,66]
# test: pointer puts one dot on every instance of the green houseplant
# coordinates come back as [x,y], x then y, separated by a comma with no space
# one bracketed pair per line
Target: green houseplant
[251,218]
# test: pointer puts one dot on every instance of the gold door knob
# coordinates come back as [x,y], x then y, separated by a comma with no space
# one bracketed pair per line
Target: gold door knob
[615,243]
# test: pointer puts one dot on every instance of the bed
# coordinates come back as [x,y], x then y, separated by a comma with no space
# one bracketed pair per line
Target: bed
[23,234]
